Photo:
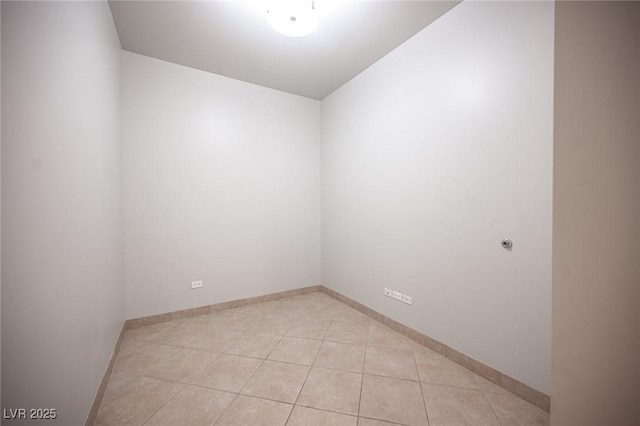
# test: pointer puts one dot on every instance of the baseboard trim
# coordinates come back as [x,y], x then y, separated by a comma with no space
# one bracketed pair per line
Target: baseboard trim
[201,310]
[524,391]
[93,412]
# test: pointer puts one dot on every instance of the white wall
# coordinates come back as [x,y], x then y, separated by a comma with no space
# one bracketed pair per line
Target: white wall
[222,184]
[62,291]
[430,157]
[596,254]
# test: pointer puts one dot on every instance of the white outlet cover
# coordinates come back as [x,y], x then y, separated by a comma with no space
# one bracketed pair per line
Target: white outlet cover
[397,295]
[196,284]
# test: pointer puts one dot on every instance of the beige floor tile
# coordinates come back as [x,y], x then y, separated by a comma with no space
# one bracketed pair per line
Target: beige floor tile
[391,362]
[180,335]
[342,332]
[436,369]
[228,373]
[310,329]
[137,356]
[222,353]
[349,315]
[296,350]
[320,310]
[276,326]
[242,325]
[130,399]
[322,315]
[278,381]
[247,410]
[150,331]
[392,400]
[213,340]
[370,422]
[184,365]
[512,410]
[381,335]
[255,345]
[226,320]
[257,310]
[455,406]
[341,356]
[304,416]
[193,406]
[331,390]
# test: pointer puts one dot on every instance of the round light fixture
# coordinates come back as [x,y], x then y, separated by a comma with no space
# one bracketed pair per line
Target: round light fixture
[293,18]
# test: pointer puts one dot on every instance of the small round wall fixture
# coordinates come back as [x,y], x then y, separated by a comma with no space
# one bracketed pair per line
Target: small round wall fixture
[293,18]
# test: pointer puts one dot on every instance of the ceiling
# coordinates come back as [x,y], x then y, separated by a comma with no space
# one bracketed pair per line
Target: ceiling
[234,39]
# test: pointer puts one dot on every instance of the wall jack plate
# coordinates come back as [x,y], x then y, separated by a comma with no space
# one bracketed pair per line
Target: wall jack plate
[196,284]
[398,296]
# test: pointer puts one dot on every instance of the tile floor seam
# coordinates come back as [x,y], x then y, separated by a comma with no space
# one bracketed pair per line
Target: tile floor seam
[364,361]
[337,369]
[484,393]
[307,377]
[385,421]
[234,342]
[161,333]
[326,410]
[260,366]
[424,403]
[265,399]
[396,378]
[226,408]
[199,372]
[180,346]
[164,405]
[148,374]
[446,385]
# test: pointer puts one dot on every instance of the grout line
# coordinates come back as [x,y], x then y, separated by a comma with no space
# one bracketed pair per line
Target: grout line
[226,408]
[326,411]
[364,364]
[166,403]
[202,370]
[305,379]
[384,421]
[424,403]
[484,393]
[252,375]
[259,367]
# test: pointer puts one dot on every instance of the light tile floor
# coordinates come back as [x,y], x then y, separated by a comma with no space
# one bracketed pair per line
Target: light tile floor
[305,360]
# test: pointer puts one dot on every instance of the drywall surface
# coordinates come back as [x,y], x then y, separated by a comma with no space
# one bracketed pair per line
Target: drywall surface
[431,157]
[596,268]
[62,290]
[222,184]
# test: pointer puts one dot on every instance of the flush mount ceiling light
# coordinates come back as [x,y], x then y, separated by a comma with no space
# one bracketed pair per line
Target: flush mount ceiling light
[293,18]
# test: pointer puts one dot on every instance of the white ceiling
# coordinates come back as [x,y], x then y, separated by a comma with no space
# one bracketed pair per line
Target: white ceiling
[234,39]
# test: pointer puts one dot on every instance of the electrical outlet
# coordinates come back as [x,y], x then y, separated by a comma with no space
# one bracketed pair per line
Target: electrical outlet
[388,292]
[196,284]
[407,299]
[397,295]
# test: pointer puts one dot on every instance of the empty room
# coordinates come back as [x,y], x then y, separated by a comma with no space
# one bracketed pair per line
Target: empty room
[320,212]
